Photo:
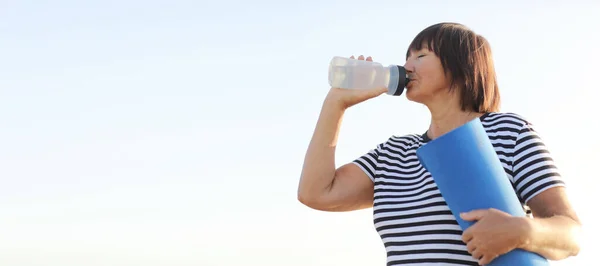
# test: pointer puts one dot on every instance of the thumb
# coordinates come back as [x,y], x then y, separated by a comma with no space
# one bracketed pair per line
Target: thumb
[473,215]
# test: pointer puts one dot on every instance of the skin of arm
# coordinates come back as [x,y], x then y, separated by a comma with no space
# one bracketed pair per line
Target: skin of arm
[322,186]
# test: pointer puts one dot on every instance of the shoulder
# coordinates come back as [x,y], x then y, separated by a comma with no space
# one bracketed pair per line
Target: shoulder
[505,121]
[405,142]
[506,117]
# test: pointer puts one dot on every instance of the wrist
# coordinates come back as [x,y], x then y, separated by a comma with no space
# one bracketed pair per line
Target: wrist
[526,232]
[334,102]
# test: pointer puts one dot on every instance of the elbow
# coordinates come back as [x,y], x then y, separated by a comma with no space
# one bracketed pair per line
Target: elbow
[562,255]
[577,239]
[302,195]
[575,250]
[576,236]
[313,195]
[312,201]
[304,199]
[316,205]
[574,247]
[307,199]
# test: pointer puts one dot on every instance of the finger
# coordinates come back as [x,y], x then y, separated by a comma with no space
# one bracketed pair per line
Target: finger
[485,260]
[361,57]
[473,215]
[471,247]
[477,254]
[467,235]
[369,58]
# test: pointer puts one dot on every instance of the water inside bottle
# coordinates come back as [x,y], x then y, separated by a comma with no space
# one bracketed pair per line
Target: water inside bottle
[357,74]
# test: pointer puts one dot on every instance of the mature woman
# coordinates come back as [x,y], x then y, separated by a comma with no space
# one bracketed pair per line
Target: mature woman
[452,73]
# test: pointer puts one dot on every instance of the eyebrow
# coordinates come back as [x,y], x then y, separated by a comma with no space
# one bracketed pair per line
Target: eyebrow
[425,49]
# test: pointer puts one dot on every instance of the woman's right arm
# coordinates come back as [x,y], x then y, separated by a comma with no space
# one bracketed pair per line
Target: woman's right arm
[322,186]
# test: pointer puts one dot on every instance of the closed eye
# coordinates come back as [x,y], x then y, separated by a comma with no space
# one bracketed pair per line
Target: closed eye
[420,56]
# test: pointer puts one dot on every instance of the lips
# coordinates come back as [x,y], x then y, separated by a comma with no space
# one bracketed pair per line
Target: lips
[410,83]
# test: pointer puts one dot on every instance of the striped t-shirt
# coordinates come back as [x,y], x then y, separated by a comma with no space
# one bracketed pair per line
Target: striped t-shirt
[409,213]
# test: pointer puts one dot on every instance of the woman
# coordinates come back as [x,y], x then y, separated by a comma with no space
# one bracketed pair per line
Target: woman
[452,73]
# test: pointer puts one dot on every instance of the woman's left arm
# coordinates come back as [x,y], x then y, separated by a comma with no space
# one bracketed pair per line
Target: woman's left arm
[555,230]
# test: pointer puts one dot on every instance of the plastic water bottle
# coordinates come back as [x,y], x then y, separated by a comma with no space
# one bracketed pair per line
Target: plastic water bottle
[347,73]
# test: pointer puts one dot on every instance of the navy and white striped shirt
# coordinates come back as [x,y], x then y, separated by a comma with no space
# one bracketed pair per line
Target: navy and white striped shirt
[409,213]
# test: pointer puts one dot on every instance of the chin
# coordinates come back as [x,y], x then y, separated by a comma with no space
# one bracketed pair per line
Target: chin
[414,96]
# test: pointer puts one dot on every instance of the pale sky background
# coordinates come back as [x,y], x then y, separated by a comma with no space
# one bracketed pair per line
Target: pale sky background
[173,132]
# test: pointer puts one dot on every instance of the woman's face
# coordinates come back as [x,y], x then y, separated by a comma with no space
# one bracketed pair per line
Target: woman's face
[427,78]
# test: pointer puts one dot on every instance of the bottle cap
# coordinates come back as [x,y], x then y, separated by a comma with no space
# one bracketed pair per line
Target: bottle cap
[402,81]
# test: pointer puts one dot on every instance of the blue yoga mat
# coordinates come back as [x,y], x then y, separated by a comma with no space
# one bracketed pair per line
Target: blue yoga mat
[469,175]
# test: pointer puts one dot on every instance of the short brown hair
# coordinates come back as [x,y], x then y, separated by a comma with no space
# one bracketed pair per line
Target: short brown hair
[467,56]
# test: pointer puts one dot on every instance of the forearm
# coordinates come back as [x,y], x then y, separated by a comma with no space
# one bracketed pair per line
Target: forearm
[318,170]
[555,238]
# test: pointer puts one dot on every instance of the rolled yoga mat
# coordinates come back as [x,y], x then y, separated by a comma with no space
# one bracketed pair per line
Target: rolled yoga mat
[469,175]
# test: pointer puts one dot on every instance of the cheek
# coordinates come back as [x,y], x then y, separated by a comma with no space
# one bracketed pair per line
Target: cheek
[426,73]
[431,79]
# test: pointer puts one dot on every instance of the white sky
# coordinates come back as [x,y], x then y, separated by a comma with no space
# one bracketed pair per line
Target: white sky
[173,133]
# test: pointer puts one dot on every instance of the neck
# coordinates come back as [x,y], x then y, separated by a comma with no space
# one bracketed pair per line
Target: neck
[446,116]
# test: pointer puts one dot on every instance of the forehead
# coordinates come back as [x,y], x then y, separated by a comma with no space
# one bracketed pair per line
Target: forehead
[428,40]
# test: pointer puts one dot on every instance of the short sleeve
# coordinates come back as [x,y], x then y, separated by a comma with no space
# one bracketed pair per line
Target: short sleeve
[534,170]
[368,162]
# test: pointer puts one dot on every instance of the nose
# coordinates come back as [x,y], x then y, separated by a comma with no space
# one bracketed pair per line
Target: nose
[409,66]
